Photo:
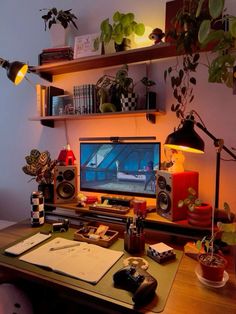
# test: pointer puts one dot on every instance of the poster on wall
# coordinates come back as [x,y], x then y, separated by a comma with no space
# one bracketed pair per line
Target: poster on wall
[87,45]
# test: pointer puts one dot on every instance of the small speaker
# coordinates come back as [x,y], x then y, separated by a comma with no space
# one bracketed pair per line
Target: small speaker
[65,184]
[172,187]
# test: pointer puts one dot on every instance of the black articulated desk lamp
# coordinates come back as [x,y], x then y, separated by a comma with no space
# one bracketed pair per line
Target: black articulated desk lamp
[186,139]
[16,70]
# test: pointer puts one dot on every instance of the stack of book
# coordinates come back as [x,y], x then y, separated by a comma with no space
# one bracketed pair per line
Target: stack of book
[85,100]
[44,98]
[50,55]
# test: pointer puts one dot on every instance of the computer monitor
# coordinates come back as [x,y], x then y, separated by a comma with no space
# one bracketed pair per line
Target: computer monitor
[119,168]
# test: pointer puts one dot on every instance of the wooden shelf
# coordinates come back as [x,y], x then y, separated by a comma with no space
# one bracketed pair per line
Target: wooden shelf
[108,60]
[49,120]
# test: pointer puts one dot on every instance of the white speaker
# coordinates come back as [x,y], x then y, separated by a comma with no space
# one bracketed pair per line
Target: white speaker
[172,187]
[65,184]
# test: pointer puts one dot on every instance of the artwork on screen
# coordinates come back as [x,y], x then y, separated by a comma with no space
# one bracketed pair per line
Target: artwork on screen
[119,168]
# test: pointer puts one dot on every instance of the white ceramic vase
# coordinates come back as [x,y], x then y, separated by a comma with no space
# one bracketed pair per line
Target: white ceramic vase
[58,35]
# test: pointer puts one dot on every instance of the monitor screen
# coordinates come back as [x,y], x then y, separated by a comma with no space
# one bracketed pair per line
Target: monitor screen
[119,168]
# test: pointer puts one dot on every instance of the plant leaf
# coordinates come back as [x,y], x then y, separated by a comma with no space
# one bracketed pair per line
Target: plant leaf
[204,30]
[216,8]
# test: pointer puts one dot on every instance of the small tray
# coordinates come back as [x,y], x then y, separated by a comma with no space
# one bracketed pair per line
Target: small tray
[81,235]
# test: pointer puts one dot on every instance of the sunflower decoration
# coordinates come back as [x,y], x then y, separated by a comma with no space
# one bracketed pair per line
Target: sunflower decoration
[40,166]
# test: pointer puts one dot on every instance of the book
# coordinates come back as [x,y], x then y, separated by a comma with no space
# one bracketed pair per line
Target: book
[81,260]
[44,96]
[51,92]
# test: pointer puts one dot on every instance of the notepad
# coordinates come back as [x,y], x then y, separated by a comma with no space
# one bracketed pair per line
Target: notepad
[88,262]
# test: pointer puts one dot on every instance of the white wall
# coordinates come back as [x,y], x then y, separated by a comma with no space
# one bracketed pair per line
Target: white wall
[22,37]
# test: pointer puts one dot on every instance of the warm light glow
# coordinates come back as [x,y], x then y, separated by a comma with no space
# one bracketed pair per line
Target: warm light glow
[21,74]
[185,149]
[144,41]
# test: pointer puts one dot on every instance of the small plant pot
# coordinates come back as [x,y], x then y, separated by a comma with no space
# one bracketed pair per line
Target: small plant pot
[151,100]
[212,266]
[200,216]
[128,102]
[125,45]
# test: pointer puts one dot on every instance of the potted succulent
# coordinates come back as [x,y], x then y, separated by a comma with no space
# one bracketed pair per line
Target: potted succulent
[57,21]
[41,168]
[123,25]
[112,89]
[198,213]
[150,95]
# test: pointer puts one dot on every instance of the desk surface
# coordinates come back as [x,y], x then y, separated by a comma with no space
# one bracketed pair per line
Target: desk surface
[187,295]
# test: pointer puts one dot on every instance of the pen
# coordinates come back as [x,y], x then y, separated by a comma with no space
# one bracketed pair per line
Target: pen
[63,247]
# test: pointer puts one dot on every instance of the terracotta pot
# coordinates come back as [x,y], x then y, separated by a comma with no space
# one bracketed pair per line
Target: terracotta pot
[212,267]
[200,216]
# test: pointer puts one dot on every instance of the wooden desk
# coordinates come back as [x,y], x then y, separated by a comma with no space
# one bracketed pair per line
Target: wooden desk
[187,295]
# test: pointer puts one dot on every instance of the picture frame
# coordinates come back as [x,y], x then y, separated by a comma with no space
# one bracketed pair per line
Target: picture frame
[87,45]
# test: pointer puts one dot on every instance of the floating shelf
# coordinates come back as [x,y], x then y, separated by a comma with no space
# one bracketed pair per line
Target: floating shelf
[49,120]
[108,60]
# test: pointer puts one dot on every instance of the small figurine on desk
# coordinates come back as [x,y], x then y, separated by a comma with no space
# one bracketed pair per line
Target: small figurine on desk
[177,160]
[157,36]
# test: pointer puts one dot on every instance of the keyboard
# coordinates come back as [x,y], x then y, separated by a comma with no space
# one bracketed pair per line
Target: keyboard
[118,209]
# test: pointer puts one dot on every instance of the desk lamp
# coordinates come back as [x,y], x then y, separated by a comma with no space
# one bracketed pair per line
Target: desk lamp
[186,139]
[16,70]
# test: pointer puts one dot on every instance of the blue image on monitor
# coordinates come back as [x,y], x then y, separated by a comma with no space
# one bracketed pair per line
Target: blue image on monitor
[120,168]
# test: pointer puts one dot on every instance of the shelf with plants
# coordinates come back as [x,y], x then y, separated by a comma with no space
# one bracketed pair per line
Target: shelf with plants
[50,120]
[154,52]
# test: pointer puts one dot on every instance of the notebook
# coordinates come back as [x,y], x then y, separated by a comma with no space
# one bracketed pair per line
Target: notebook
[85,261]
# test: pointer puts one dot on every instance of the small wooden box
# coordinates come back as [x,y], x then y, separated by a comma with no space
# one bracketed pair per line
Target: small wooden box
[82,235]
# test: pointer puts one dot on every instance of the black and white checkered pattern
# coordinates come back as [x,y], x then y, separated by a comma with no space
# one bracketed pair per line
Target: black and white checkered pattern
[128,102]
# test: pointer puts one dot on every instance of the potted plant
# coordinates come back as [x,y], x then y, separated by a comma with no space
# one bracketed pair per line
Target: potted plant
[212,265]
[41,168]
[57,21]
[198,213]
[112,89]
[150,95]
[220,67]
[123,25]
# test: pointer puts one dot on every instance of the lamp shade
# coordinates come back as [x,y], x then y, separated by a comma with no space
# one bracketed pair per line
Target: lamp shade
[185,139]
[16,71]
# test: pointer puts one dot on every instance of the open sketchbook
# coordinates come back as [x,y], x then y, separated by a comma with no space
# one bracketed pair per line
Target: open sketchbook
[88,262]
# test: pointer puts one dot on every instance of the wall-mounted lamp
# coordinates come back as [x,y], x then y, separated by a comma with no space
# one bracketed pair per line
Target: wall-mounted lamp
[186,139]
[16,70]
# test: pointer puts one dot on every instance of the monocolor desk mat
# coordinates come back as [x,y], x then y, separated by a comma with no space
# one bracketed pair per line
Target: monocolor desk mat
[104,289]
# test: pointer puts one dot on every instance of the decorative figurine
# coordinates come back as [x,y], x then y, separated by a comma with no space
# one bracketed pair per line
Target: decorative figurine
[157,36]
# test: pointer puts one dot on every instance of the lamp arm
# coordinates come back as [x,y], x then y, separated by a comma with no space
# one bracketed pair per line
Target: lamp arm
[204,129]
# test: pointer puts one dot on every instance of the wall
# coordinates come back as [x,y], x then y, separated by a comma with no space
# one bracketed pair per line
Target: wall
[22,37]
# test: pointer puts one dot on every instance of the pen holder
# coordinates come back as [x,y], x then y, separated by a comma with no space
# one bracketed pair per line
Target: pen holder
[134,242]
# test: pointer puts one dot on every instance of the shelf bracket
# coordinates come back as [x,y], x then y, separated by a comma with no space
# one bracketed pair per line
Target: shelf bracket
[46,76]
[48,123]
[150,117]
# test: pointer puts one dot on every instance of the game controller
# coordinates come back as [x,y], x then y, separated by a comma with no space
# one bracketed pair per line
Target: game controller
[138,281]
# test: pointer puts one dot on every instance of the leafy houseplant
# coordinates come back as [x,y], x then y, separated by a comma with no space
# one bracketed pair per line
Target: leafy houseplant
[184,34]
[121,28]
[220,68]
[41,168]
[199,213]
[112,87]
[54,16]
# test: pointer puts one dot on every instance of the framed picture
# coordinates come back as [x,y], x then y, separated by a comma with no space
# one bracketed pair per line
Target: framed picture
[87,45]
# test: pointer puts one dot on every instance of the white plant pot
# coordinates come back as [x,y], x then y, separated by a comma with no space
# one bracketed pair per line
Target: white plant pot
[58,35]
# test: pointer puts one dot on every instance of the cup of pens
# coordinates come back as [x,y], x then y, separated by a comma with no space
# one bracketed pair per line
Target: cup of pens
[134,236]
